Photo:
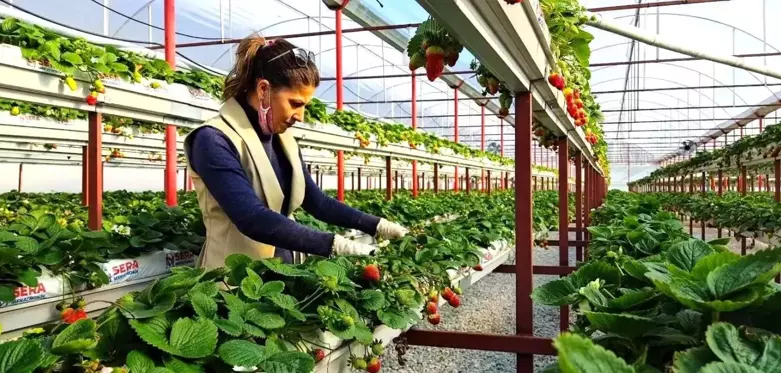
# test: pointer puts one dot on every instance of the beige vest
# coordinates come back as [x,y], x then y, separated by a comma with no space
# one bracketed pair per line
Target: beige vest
[222,236]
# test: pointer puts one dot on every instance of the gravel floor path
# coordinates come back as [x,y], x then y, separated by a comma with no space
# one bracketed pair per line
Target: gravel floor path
[486,307]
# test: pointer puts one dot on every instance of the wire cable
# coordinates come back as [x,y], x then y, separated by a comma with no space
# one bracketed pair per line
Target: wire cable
[150,25]
[23,10]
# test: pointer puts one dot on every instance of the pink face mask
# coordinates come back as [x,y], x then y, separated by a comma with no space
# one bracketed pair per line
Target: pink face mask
[264,118]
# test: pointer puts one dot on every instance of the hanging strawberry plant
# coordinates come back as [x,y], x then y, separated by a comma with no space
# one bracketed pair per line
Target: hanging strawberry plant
[432,47]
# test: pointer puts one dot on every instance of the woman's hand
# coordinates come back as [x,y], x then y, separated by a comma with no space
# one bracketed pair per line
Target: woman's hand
[389,230]
[344,246]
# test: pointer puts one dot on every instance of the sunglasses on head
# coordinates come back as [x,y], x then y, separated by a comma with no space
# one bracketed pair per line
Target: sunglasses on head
[303,56]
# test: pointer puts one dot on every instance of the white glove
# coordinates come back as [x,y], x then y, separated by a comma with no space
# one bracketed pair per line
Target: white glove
[344,246]
[389,230]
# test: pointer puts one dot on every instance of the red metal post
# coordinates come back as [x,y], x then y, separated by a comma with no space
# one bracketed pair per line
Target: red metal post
[563,220]
[396,180]
[95,169]
[414,126]
[19,181]
[524,314]
[359,178]
[84,177]
[455,135]
[691,191]
[170,130]
[388,179]
[742,188]
[579,205]
[468,183]
[488,175]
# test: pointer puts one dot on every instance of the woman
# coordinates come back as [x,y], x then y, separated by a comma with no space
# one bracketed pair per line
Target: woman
[248,172]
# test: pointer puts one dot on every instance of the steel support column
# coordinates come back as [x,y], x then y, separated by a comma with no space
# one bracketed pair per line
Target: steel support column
[482,144]
[19,180]
[84,177]
[742,188]
[95,170]
[339,100]
[524,233]
[455,135]
[691,192]
[702,225]
[436,178]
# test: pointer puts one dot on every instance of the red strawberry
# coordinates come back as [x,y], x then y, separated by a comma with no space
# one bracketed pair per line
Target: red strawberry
[433,296]
[561,83]
[431,308]
[576,93]
[374,365]
[478,268]
[579,103]
[319,354]
[539,132]
[70,315]
[493,85]
[447,294]
[553,79]
[568,93]
[417,61]
[454,301]
[434,318]
[91,100]
[435,62]
[503,112]
[371,273]
[513,2]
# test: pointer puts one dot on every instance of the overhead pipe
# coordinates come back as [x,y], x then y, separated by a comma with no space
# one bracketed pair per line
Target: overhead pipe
[639,34]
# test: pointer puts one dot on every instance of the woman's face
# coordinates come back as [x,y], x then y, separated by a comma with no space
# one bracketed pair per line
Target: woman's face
[287,104]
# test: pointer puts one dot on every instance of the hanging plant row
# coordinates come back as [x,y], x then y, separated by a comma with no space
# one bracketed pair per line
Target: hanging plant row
[432,47]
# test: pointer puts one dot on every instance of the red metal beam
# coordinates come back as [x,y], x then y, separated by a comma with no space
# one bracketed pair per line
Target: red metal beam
[524,313]
[388,179]
[297,35]
[455,135]
[682,120]
[84,177]
[19,181]
[523,345]
[578,205]
[339,103]
[689,108]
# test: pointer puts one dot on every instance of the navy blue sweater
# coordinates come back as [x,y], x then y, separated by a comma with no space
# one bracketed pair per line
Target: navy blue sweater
[216,160]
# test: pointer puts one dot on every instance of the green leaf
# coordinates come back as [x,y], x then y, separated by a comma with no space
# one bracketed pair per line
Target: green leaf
[578,354]
[251,285]
[175,365]
[29,277]
[204,306]
[284,269]
[242,353]
[265,320]
[237,260]
[751,269]
[326,268]
[709,263]
[770,361]
[138,362]
[692,360]
[136,241]
[597,270]
[134,309]
[78,336]
[594,294]
[372,300]
[632,298]
[7,294]
[284,301]
[729,368]
[189,338]
[235,304]
[392,319]
[27,244]
[209,289]
[271,288]
[556,293]
[288,362]
[686,254]
[726,343]
[363,334]
[6,236]
[232,327]
[622,324]
[20,356]
[720,241]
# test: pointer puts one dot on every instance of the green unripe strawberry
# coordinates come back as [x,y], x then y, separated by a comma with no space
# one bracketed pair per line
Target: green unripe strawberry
[71,83]
[330,282]
[15,111]
[347,322]
[377,348]
[137,77]
[359,364]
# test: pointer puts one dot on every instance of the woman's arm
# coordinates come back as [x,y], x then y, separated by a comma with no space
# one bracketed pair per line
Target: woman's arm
[327,209]
[216,160]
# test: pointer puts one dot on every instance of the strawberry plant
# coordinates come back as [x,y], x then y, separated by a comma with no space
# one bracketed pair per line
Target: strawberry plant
[651,298]
[433,47]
